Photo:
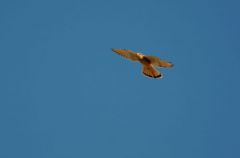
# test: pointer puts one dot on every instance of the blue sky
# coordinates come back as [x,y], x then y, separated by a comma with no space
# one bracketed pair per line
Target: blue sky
[65,94]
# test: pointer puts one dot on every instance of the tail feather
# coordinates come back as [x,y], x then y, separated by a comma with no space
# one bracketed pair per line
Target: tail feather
[150,71]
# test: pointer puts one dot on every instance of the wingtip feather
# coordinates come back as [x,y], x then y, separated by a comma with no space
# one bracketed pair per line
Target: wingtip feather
[158,76]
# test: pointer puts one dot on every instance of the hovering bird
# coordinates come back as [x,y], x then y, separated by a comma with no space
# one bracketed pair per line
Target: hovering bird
[149,62]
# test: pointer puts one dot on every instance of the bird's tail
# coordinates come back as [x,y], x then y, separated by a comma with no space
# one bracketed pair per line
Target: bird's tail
[150,71]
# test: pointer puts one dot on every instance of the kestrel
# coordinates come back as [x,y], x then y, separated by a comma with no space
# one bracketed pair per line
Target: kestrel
[149,62]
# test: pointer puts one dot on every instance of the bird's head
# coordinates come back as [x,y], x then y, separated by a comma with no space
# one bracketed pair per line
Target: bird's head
[140,55]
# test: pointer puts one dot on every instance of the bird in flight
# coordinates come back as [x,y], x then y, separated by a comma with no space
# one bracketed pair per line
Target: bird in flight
[148,62]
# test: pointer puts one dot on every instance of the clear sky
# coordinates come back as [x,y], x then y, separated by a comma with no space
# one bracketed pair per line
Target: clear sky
[64,94]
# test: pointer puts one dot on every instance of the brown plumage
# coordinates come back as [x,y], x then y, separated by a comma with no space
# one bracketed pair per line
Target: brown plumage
[149,62]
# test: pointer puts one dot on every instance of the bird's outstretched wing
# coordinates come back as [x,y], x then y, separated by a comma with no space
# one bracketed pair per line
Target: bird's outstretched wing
[127,54]
[158,62]
[149,71]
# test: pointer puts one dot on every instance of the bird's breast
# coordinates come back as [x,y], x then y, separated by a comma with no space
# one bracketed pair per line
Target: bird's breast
[145,60]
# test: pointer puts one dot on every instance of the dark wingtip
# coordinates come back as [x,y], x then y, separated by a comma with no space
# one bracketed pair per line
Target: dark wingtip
[158,76]
[147,75]
[113,49]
